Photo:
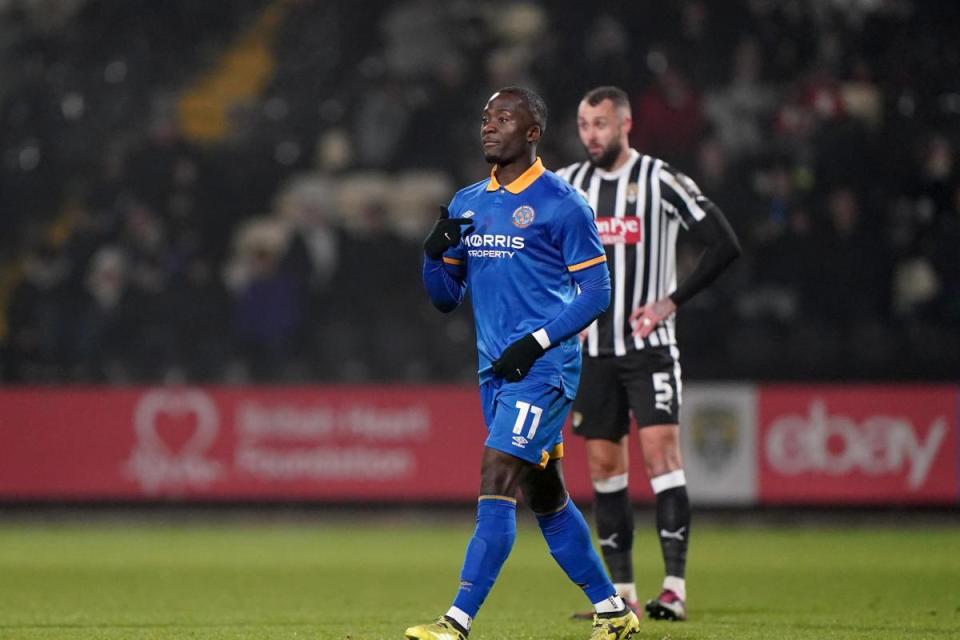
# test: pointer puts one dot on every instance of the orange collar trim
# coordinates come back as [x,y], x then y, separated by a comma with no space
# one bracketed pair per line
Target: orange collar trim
[525,180]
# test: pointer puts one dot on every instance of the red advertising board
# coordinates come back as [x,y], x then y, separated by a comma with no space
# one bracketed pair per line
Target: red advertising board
[253,443]
[863,445]
[814,445]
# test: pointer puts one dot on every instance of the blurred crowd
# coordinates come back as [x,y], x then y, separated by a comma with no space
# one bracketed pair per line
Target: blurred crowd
[237,191]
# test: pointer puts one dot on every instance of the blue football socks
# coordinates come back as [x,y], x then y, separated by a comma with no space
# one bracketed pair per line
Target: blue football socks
[568,537]
[487,551]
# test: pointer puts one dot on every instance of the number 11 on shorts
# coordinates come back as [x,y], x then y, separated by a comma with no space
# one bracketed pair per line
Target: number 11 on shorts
[525,409]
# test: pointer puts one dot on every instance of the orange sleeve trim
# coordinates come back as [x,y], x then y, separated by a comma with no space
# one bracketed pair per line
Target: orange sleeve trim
[452,261]
[586,263]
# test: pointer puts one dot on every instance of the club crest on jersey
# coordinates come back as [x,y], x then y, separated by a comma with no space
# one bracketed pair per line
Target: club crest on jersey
[523,216]
[632,191]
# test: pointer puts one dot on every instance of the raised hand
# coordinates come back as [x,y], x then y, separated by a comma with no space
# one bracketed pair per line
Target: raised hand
[446,233]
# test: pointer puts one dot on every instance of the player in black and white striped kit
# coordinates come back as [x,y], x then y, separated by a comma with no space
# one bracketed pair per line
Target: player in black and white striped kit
[631,361]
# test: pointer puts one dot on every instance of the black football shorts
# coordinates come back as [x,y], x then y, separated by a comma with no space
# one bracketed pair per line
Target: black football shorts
[645,383]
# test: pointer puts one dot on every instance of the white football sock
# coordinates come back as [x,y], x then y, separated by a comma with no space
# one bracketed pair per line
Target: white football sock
[677,585]
[628,590]
[460,616]
[609,605]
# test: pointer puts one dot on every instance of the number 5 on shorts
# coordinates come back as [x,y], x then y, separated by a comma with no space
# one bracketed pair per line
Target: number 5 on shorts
[664,392]
[526,408]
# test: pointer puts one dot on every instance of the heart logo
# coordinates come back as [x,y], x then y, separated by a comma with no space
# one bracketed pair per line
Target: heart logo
[174,428]
[176,423]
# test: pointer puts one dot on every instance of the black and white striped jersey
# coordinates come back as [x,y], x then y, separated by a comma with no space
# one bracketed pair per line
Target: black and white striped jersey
[640,209]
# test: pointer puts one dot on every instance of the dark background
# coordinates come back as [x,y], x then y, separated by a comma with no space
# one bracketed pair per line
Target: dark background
[230,192]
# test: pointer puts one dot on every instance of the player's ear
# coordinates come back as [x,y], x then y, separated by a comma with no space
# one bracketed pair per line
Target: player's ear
[626,121]
[534,133]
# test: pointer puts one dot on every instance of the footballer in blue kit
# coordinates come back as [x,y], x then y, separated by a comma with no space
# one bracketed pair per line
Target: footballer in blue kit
[525,244]
[531,242]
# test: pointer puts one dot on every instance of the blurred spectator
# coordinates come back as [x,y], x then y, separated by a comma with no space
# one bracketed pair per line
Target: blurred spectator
[202,324]
[782,293]
[851,272]
[104,329]
[417,37]
[307,205]
[382,117]
[38,338]
[668,117]
[738,110]
[268,300]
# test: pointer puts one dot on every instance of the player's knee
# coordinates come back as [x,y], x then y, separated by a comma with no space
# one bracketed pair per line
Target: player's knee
[661,454]
[655,467]
[605,464]
[499,473]
[661,463]
[546,504]
[658,463]
[544,490]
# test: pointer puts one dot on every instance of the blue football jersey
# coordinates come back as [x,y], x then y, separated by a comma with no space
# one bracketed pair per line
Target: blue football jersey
[529,237]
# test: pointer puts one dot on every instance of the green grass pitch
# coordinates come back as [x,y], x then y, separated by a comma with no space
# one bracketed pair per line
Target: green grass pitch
[372,578]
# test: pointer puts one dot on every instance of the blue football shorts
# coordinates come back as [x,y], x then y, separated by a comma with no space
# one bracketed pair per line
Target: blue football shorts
[525,419]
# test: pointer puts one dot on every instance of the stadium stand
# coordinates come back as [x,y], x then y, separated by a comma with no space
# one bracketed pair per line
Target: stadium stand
[205,195]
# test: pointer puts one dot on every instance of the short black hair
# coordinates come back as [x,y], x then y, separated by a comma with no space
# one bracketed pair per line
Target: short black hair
[616,95]
[534,103]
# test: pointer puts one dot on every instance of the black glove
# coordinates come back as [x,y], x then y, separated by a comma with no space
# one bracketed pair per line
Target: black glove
[446,233]
[517,359]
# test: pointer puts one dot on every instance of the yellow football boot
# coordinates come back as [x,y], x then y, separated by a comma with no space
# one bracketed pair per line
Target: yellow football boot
[615,626]
[443,628]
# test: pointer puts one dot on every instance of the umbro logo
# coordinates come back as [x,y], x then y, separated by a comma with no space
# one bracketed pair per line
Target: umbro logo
[468,214]
[520,441]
